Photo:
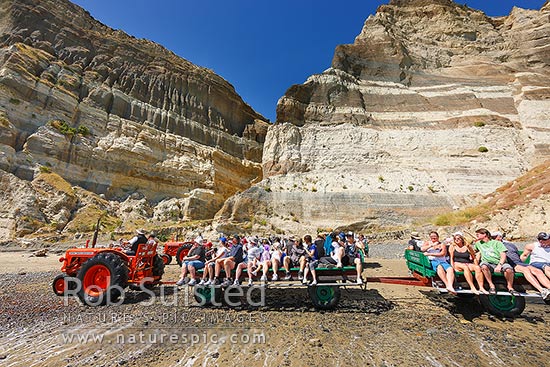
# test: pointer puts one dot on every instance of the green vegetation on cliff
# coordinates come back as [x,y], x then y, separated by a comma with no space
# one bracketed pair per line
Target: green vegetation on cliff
[530,186]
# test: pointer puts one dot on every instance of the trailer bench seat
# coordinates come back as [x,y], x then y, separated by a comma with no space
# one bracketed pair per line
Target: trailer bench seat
[346,270]
[418,262]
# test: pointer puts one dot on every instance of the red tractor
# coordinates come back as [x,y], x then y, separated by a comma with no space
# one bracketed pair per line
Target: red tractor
[175,249]
[99,274]
[179,250]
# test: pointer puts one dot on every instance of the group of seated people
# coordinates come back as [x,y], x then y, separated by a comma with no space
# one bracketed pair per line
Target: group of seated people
[258,256]
[489,253]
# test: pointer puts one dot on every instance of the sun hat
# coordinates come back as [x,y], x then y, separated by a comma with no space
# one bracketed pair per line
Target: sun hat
[543,236]
[496,234]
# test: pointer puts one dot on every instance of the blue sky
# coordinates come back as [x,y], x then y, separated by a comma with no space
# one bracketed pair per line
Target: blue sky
[261,47]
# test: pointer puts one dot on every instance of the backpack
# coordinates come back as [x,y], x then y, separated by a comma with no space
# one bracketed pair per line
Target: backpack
[320,251]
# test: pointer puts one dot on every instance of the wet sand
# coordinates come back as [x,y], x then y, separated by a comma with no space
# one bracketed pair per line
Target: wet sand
[386,325]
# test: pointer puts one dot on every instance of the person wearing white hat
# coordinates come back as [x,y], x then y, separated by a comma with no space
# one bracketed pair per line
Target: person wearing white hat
[415,243]
[137,240]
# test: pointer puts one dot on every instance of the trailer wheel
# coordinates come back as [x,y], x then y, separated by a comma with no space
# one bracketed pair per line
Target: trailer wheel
[103,278]
[324,297]
[547,301]
[61,283]
[504,306]
[182,252]
[206,295]
[166,259]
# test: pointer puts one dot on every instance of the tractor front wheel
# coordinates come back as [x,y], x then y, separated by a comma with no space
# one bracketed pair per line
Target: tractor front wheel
[62,283]
[103,279]
[166,259]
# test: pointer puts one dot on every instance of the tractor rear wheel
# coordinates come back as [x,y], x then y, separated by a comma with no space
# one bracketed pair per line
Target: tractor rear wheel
[103,278]
[62,283]
[158,267]
[158,272]
[166,258]
[182,252]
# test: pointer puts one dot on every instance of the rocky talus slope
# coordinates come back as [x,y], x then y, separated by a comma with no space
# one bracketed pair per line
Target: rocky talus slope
[433,104]
[518,208]
[114,115]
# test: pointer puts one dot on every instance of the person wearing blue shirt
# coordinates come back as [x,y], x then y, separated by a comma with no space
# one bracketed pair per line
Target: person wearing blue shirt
[312,260]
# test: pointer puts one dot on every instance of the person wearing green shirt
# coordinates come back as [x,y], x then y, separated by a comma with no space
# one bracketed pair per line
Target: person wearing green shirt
[492,259]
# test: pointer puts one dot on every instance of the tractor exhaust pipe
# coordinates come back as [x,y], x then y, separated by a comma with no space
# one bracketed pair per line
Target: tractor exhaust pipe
[94,240]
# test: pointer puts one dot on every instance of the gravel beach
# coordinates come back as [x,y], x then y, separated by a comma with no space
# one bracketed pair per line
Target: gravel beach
[386,325]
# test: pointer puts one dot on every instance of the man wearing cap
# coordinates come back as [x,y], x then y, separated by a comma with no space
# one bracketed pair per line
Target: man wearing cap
[137,240]
[533,275]
[415,243]
[492,258]
[540,253]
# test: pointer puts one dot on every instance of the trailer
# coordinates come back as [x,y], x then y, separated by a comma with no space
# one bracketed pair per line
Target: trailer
[327,293]
[502,304]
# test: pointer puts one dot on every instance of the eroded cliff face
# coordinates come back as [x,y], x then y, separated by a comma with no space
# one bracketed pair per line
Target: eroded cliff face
[432,104]
[117,115]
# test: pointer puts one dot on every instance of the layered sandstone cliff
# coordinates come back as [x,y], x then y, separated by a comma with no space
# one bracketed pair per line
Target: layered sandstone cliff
[116,115]
[433,103]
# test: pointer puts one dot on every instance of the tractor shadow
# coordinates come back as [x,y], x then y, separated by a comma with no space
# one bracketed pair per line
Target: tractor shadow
[136,296]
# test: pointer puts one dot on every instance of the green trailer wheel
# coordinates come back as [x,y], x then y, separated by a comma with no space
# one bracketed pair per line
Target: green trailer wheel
[324,297]
[206,295]
[505,306]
